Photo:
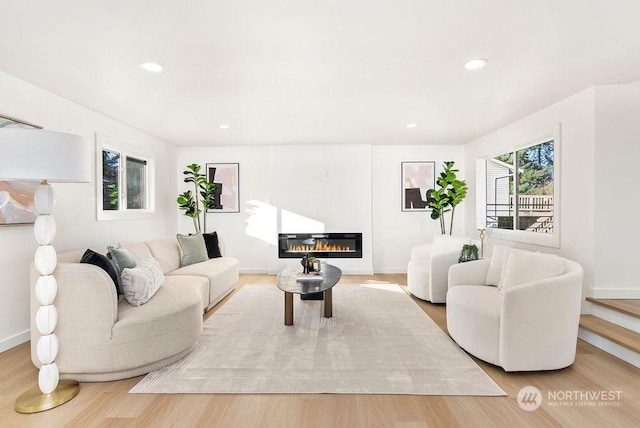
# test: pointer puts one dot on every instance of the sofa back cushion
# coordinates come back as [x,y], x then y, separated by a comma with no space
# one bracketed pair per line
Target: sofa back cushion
[167,252]
[526,266]
[139,250]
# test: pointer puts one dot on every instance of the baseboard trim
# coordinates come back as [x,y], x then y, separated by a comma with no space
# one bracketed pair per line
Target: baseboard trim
[615,293]
[15,340]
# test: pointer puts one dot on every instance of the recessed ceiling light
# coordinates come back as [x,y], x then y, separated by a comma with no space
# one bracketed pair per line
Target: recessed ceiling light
[475,64]
[411,125]
[224,127]
[152,67]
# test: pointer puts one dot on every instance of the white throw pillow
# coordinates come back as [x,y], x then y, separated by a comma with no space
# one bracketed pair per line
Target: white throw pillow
[447,244]
[526,266]
[140,283]
[505,258]
[495,266]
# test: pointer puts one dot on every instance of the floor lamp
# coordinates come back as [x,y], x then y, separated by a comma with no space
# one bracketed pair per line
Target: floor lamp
[44,156]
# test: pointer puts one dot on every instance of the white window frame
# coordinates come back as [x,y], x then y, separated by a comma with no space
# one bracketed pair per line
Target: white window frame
[523,236]
[123,213]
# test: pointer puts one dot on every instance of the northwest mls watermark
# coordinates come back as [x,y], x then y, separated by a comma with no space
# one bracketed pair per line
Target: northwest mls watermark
[530,398]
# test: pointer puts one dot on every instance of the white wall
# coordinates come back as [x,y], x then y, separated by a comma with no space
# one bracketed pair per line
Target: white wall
[334,188]
[396,231]
[75,211]
[290,188]
[617,156]
[576,118]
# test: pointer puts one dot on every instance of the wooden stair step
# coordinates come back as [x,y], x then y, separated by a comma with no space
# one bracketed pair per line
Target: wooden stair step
[610,331]
[629,307]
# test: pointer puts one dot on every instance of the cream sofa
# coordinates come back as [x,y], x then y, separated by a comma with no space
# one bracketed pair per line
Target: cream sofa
[519,310]
[102,337]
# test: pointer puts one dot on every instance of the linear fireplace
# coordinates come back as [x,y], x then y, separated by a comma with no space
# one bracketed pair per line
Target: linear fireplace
[323,245]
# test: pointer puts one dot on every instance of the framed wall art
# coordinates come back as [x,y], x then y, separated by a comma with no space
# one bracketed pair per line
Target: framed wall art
[227,194]
[418,179]
[16,197]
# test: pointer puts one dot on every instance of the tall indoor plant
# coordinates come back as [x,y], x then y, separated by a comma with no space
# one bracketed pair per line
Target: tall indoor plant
[447,194]
[203,194]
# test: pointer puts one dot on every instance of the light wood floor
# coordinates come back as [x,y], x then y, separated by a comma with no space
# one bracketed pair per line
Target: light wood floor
[108,404]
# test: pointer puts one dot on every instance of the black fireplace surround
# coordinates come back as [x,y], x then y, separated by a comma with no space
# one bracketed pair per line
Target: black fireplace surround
[321,245]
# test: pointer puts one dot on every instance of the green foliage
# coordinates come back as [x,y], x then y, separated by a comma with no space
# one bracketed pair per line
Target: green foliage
[535,169]
[190,202]
[112,196]
[449,192]
[469,253]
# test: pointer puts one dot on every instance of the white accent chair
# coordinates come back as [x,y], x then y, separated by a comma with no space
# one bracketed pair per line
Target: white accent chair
[518,310]
[427,272]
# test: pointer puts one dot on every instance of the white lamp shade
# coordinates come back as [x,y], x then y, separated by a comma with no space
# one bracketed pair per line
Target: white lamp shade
[46,319]
[44,229]
[48,378]
[34,154]
[46,289]
[47,348]
[45,259]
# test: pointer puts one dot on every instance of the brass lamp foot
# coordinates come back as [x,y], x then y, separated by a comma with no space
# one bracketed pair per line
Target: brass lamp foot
[33,400]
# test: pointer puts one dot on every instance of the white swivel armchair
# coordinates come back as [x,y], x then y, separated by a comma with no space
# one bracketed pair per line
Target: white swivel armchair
[519,310]
[427,272]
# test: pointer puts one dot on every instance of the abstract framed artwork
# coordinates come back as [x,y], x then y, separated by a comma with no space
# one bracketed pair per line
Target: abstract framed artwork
[16,197]
[418,180]
[227,194]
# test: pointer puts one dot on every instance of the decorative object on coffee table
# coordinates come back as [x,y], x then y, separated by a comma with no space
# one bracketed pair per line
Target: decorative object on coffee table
[290,281]
[37,155]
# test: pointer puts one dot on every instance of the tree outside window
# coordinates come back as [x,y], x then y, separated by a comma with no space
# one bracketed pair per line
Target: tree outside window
[520,193]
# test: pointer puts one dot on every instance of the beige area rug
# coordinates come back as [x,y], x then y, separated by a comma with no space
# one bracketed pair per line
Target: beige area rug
[377,342]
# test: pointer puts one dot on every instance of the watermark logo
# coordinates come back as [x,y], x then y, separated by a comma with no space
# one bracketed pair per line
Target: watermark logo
[529,398]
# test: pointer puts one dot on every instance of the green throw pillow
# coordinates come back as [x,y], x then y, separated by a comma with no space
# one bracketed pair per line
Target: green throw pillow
[121,258]
[469,253]
[193,249]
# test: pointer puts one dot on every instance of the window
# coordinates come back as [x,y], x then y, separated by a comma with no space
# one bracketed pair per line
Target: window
[521,193]
[125,182]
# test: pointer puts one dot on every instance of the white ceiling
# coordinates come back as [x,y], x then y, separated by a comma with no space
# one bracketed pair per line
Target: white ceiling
[323,72]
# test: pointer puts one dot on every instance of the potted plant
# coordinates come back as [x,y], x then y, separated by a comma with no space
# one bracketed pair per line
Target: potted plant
[203,193]
[449,192]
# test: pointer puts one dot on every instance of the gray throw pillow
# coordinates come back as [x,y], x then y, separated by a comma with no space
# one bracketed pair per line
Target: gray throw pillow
[193,249]
[121,258]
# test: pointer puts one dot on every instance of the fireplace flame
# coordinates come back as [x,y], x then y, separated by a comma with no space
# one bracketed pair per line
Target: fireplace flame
[320,246]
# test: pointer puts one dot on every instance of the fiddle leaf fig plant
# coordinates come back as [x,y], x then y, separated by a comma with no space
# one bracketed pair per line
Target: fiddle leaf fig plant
[203,193]
[449,192]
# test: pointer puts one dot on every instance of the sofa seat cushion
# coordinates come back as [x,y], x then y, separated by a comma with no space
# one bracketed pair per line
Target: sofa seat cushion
[167,325]
[473,319]
[198,283]
[222,273]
